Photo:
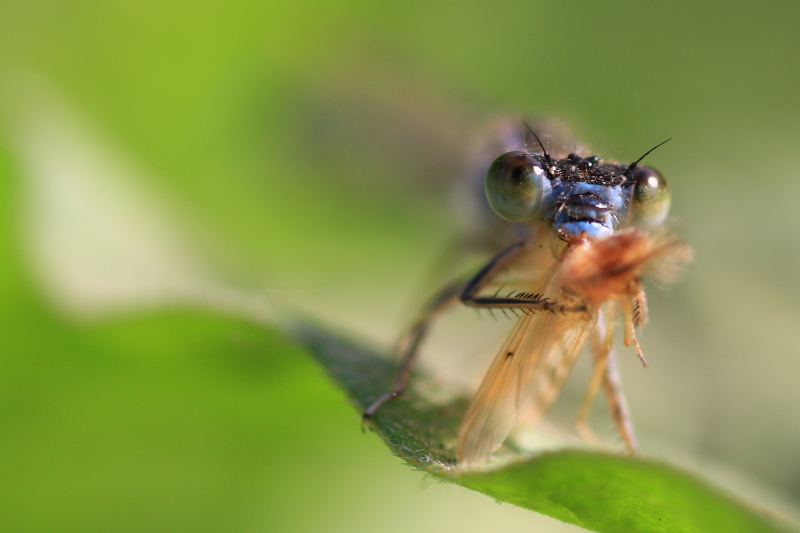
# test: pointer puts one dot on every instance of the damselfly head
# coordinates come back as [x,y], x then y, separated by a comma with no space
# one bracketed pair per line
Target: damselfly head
[578,197]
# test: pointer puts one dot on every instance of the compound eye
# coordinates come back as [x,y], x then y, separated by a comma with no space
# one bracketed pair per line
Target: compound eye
[514,186]
[650,198]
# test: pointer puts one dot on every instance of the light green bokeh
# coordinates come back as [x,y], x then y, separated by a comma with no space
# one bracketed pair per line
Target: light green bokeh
[299,146]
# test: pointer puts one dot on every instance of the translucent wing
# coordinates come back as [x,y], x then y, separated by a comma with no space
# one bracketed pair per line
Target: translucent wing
[533,363]
[552,370]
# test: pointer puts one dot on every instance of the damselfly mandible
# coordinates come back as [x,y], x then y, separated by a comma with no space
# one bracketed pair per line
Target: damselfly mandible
[577,237]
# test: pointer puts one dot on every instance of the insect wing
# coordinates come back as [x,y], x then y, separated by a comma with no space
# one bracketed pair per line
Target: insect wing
[532,364]
[552,370]
[494,410]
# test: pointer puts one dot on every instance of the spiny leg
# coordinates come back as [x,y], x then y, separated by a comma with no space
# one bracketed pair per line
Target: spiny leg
[631,309]
[522,301]
[466,292]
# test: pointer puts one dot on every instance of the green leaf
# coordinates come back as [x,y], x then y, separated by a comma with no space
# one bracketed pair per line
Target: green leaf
[598,491]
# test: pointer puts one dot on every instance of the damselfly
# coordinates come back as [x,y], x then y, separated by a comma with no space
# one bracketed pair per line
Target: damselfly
[579,235]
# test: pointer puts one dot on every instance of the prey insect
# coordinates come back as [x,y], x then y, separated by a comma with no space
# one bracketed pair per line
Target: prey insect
[579,234]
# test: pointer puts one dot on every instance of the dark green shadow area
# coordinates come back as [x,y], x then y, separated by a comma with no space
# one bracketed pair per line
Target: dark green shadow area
[598,491]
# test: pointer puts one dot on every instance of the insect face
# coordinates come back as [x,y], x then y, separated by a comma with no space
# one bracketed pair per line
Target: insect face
[577,197]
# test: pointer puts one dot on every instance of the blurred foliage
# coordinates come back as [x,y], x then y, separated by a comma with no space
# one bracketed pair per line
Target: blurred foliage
[306,149]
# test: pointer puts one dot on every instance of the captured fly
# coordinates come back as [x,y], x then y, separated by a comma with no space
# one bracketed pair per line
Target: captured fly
[580,234]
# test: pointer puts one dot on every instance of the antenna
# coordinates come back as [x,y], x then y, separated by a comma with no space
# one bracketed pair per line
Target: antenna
[544,150]
[633,165]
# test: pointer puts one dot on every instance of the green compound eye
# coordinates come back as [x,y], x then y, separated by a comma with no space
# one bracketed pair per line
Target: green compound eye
[650,198]
[514,186]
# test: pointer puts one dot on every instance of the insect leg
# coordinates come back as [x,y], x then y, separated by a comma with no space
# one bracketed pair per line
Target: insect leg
[409,345]
[602,343]
[466,293]
[412,340]
[616,401]
[523,301]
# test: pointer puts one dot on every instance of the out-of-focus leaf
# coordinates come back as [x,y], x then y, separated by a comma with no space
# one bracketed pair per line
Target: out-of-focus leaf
[598,491]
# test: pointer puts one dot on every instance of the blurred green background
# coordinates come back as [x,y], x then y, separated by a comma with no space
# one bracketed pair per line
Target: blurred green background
[165,164]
